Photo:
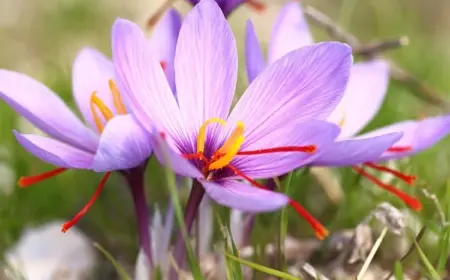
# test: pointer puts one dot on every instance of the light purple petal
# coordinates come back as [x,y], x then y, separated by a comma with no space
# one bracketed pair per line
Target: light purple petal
[319,133]
[254,58]
[54,152]
[244,197]
[123,145]
[169,156]
[91,72]
[419,135]
[355,151]
[205,65]
[305,84]
[45,110]
[363,97]
[146,91]
[164,40]
[290,32]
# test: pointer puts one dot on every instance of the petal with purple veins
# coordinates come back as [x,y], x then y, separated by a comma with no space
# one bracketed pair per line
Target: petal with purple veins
[164,40]
[418,135]
[142,81]
[91,72]
[290,32]
[363,97]
[254,58]
[123,145]
[306,84]
[355,151]
[54,152]
[241,196]
[45,110]
[206,65]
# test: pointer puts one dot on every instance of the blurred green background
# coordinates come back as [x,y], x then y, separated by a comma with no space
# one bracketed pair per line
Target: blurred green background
[41,38]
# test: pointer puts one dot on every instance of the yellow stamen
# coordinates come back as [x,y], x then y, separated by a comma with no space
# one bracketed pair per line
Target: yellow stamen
[342,121]
[118,103]
[201,138]
[106,112]
[230,153]
[238,131]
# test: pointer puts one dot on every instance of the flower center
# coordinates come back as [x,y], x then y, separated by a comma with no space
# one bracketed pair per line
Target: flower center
[98,104]
[231,148]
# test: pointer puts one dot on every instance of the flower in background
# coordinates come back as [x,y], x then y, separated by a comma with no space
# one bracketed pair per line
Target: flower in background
[272,130]
[363,97]
[228,6]
[112,140]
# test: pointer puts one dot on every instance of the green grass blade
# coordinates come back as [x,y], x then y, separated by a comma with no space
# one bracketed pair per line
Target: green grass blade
[283,225]
[120,270]
[426,263]
[264,269]
[444,245]
[398,271]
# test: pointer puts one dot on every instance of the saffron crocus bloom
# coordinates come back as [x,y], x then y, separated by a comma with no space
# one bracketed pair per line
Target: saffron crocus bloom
[363,97]
[112,140]
[271,131]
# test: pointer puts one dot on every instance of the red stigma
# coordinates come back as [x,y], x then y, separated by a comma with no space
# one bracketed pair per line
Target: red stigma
[256,5]
[320,231]
[30,180]
[410,201]
[409,179]
[305,149]
[83,211]
[399,149]
[163,65]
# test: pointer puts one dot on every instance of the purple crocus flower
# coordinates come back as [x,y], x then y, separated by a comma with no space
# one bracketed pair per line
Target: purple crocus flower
[274,128]
[363,97]
[111,140]
[228,6]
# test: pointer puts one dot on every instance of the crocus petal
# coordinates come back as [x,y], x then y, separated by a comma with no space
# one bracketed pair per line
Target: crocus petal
[306,84]
[419,135]
[253,55]
[123,145]
[244,197]
[45,110]
[318,133]
[164,40]
[205,65]
[54,152]
[145,89]
[355,151]
[168,155]
[363,97]
[290,32]
[91,72]
[228,6]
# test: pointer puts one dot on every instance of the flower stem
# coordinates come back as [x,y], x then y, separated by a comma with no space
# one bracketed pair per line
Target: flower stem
[190,212]
[135,179]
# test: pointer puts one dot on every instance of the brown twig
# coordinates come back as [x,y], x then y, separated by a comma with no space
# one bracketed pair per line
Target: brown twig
[418,87]
[373,49]
[153,19]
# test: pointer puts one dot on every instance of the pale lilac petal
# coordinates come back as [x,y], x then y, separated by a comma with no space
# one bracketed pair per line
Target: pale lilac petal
[123,145]
[319,133]
[45,110]
[146,91]
[363,97]
[355,151]
[290,32]
[54,152]
[205,65]
[91,72]
[254,58]
[169,156]
[419,135]
[164,40]
[306,84]
[241,196]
